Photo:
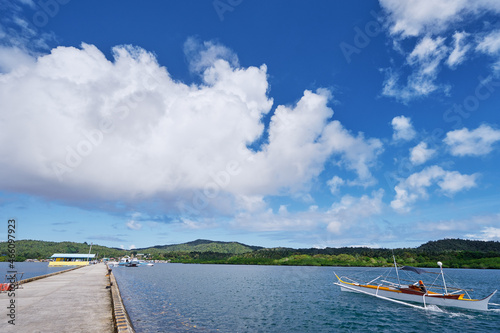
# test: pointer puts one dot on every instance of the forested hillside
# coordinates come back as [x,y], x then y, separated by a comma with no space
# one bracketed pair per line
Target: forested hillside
[460,245]
[456,253]
[202,245]
[34,249]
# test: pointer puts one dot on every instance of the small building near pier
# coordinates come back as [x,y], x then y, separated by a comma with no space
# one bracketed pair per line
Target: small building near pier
[70,259]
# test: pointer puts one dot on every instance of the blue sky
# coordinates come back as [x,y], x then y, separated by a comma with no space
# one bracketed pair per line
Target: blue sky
[272,123]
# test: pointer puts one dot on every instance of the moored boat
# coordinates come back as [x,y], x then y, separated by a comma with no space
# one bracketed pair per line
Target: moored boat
[112,263]
[418,292]
[129,262]
[133,262]
[124,261]
[145,263]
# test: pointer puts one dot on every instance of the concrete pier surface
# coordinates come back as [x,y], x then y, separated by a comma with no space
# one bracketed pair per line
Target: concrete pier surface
[74,301]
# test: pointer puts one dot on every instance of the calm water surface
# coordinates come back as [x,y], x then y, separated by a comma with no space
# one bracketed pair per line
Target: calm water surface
[30,269]
[226,298]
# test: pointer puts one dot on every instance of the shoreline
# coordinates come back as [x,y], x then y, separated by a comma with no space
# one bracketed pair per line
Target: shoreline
[322,265]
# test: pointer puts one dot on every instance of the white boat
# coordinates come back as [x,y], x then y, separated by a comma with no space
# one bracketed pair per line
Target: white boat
[133,263]
[128,262]
[417,292]
[124,261]
[145,263]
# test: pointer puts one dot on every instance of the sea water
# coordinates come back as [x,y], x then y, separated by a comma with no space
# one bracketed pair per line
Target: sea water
[234,298]
[30,269]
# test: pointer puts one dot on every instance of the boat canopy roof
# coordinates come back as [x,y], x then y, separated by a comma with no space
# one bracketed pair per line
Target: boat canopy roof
[416,270]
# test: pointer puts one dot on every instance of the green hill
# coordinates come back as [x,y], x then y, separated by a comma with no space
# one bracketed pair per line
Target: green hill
[203,245]
[456,253]
[35,249]
[450,244]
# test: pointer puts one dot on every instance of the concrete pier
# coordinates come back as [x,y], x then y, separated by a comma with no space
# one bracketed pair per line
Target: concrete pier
[75,301]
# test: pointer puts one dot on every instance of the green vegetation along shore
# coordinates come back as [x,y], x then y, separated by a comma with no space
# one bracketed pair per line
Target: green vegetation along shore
[454,253]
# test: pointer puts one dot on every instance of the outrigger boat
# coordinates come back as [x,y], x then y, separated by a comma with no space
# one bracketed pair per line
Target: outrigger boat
[416,292]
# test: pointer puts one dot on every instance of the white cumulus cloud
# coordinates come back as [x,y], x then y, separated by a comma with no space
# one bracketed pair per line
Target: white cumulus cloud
[443,32]
[335,183]
[403,128]
[134,225]
[460,49]
[351,211]
[425,60]
[340,219]
[417,17]
[421,153]
[124,129]
[465,142]
[476,227]
[414,188]
[487,234]
[490,43]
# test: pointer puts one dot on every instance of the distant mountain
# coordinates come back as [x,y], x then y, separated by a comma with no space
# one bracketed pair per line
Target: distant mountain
[205,245]
[451,244]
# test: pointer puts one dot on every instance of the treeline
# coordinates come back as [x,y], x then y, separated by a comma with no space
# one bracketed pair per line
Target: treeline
[451,244]
[34,249]
[410,257]
[454,253]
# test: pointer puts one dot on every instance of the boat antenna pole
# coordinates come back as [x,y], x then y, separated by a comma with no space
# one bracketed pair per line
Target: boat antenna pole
[396,267]
[440,264]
